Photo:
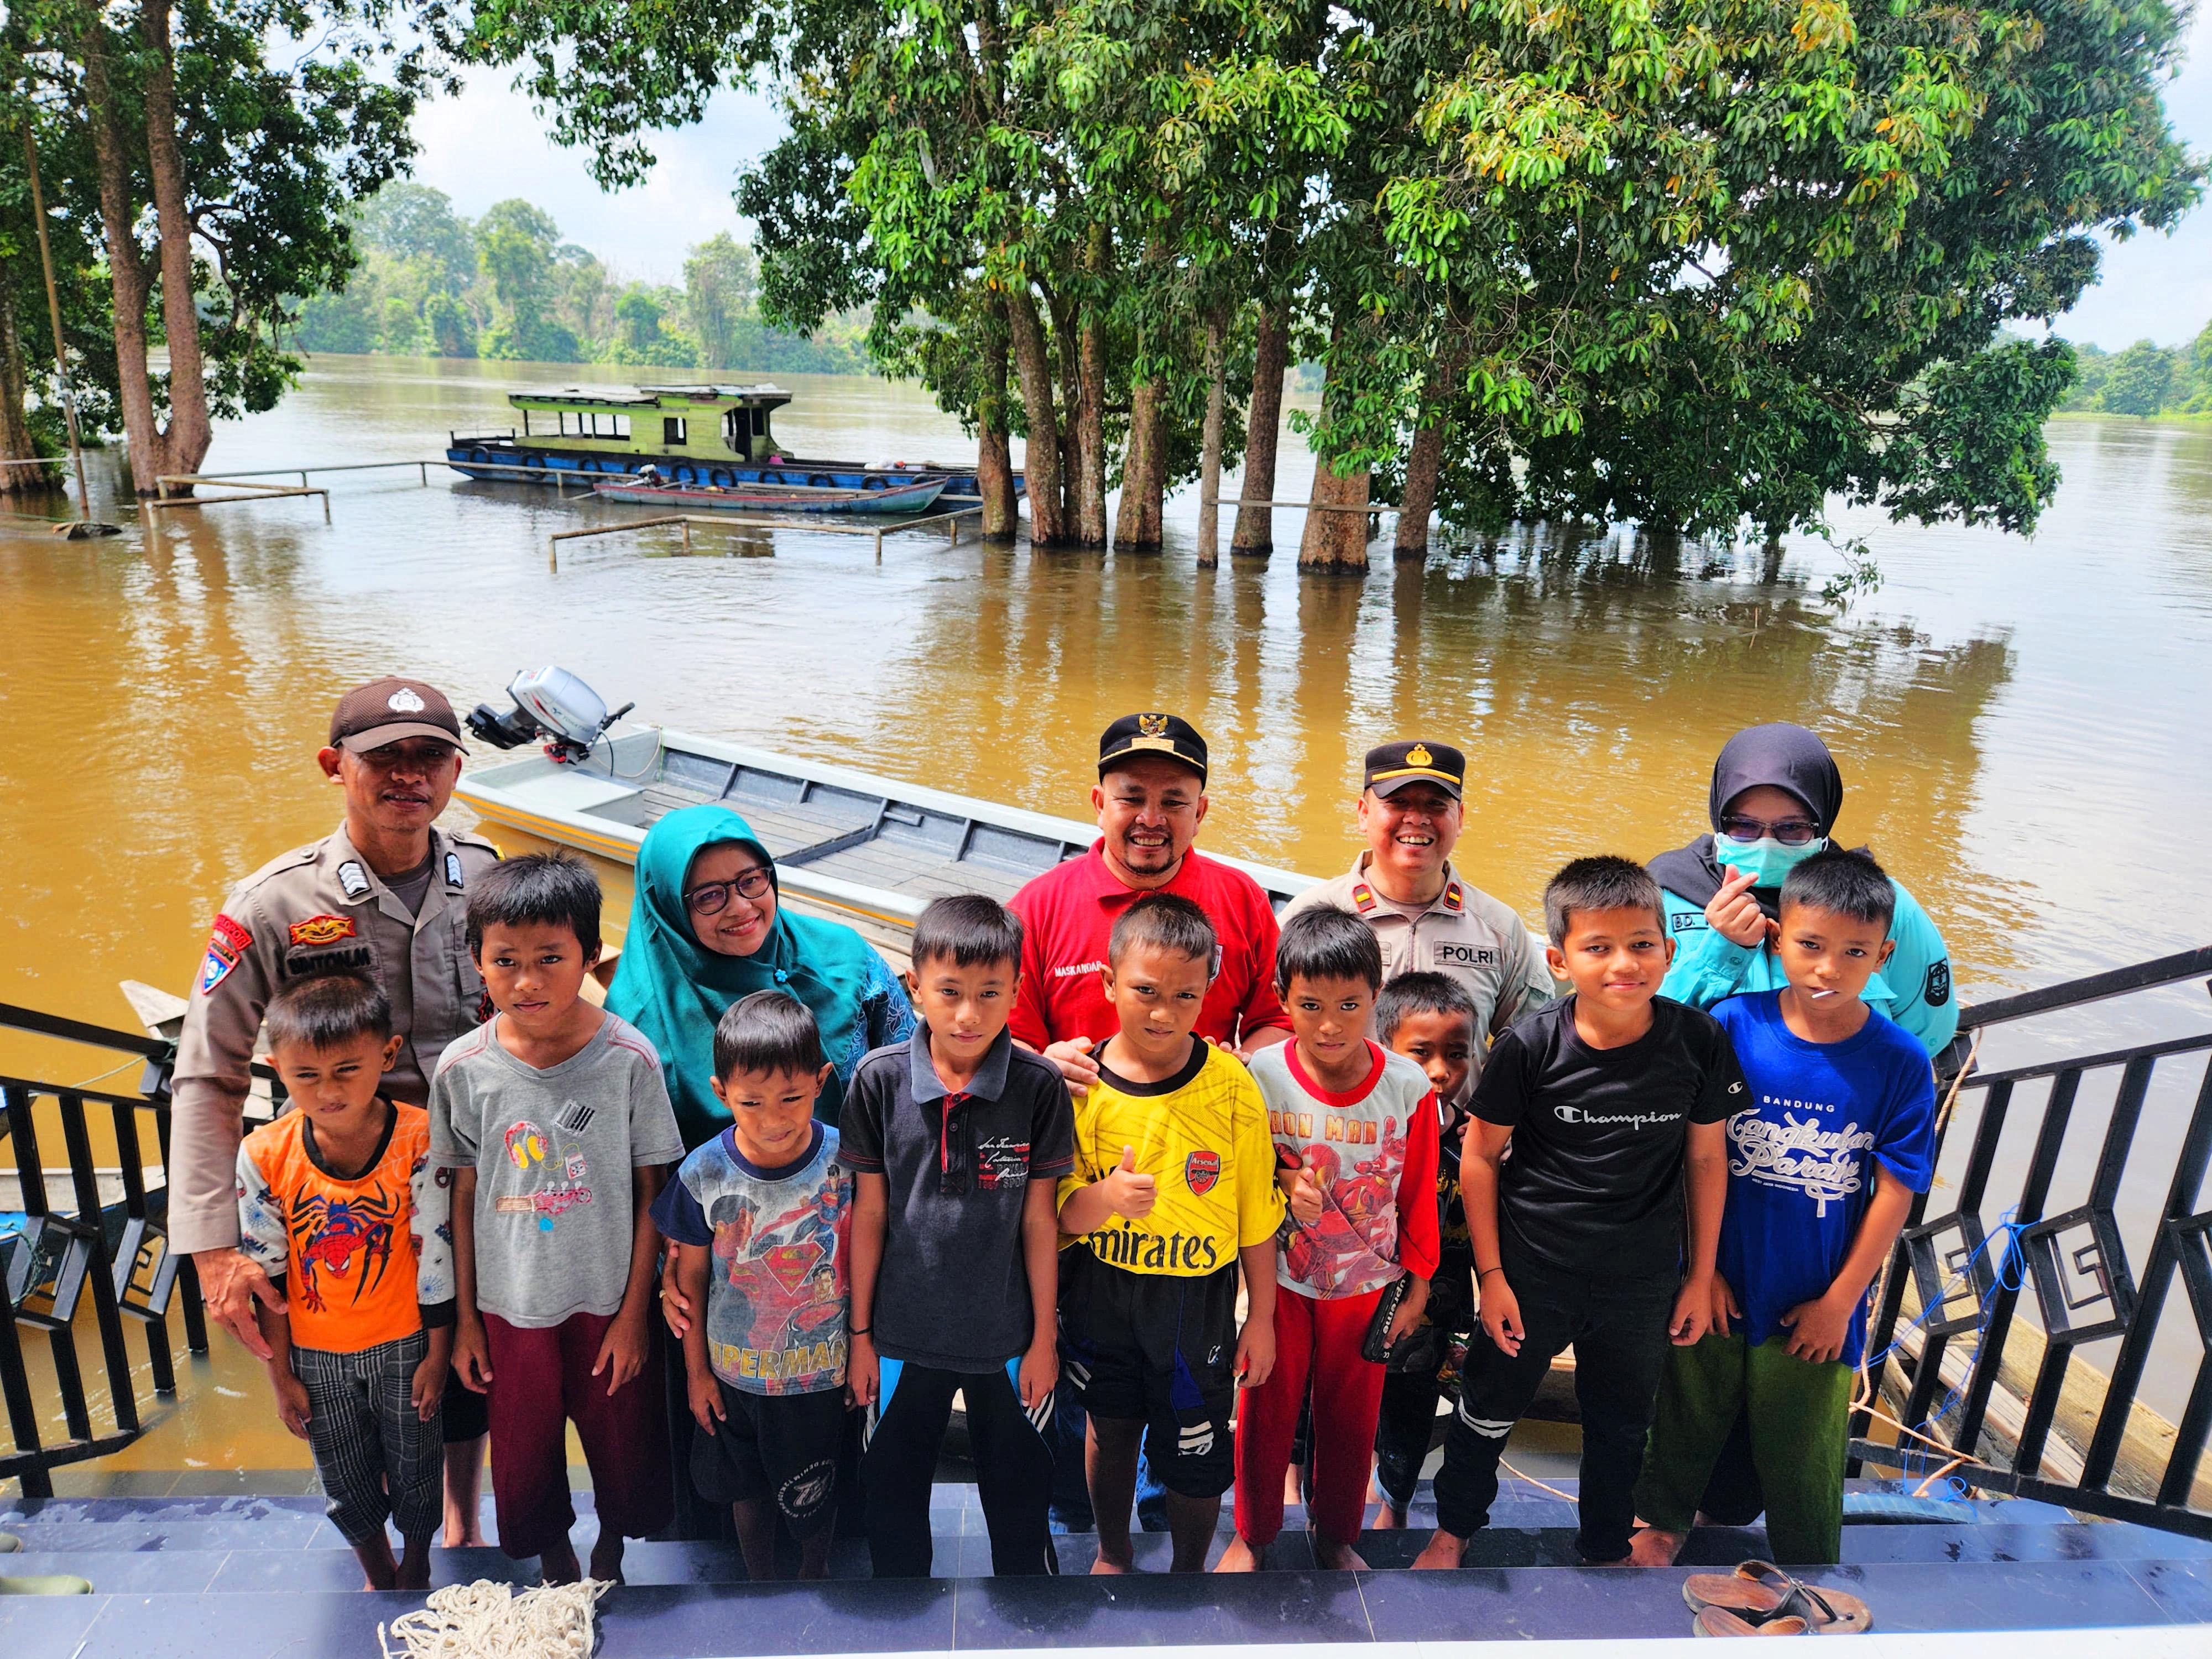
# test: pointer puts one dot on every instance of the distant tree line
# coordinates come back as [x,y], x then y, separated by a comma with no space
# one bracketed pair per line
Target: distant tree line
[434,284]
[2145,379]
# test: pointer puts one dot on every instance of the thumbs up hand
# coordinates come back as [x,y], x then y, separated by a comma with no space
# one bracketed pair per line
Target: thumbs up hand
[1129,1193]
[1304,1192]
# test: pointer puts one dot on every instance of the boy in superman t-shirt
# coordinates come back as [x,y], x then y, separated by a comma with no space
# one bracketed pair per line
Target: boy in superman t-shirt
[1822,1168]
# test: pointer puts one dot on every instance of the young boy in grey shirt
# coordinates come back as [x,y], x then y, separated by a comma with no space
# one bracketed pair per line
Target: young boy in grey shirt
[556,1122]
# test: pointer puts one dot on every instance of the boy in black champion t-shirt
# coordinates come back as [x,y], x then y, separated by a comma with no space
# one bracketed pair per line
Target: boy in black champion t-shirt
[1607,1097]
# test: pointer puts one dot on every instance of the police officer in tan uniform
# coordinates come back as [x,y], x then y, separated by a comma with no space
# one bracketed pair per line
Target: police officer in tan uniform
[383,894]
[1425,916]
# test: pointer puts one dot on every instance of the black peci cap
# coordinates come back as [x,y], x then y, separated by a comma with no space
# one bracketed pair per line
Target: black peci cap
[1394,765]
[1152,734]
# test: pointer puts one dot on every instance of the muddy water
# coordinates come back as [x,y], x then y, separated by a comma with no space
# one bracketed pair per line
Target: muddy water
[2020,724]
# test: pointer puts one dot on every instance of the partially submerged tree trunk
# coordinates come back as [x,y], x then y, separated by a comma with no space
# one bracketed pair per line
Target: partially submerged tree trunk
[1424,461]
[1255,526]
[1033,366]
[128,280]
[1209,453]
[1336,540]
[1087,474]
[1143,472]
[190,432]
[995,466]
[16,443]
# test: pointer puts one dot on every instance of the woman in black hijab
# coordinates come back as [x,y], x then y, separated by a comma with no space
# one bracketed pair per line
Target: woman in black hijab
[1775,797]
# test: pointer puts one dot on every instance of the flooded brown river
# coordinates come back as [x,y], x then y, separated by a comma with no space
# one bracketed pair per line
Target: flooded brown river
[2021,724]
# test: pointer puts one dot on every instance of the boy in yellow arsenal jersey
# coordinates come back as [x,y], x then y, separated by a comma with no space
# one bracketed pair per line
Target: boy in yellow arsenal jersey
[1173,1189]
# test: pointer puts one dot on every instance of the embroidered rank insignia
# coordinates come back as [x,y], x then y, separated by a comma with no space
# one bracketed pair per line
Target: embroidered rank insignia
[1363,897]
[230,937]
[352,878]
[453,870]
[215,968]
[1453,897]
[322,930]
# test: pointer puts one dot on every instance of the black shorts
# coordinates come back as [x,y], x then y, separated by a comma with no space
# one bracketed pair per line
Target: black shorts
[783,1446]
[467,1414]
[1160,1350]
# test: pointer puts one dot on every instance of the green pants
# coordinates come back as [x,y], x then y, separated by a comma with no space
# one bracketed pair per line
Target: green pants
[1797,1413]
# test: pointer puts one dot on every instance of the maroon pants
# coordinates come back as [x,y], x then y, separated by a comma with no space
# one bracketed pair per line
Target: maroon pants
[1316,1341]
[541,1380]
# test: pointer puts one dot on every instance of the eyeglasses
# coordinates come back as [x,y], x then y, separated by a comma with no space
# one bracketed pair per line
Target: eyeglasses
[712,898]
[1791,832]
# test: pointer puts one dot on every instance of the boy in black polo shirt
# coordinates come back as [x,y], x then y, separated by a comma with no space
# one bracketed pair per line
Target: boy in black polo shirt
[958,1138]
[1608,1097]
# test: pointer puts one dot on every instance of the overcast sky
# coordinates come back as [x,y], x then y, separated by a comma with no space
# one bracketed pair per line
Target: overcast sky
[487,145]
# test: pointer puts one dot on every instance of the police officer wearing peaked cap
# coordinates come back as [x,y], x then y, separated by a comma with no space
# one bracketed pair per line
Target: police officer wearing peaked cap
[381,895]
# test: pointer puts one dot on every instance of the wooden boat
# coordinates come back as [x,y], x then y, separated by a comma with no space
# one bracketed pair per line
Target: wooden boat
[775,498]
[865,849]
[706,436]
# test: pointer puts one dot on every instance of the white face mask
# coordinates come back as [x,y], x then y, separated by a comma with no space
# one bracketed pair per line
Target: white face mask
[1766,860]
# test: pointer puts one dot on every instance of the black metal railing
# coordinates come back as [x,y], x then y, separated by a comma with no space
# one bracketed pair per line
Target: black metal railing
[116,1250]
[1967,1387]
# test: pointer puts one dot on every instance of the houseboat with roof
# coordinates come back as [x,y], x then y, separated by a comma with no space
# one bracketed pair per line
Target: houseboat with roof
[703,436]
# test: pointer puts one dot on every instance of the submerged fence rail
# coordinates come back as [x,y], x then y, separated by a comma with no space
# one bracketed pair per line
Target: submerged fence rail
[56,1246]
[1978,1391]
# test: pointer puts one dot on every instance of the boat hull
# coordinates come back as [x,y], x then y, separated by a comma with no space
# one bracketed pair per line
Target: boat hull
[493,461]
[912,498]
[867,849]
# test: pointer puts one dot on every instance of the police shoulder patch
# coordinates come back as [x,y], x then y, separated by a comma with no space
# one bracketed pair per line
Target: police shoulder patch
[453,869]
[229,936]
[1363,897]
[1937,990]
[352,878]
[1454,898]
[215,968]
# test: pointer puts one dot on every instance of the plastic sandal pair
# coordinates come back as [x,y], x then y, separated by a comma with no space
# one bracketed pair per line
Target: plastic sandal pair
[46,1583]
[1760,1598]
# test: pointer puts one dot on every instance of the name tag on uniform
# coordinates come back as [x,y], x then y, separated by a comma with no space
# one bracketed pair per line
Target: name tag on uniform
[1451,955]
[1687,922]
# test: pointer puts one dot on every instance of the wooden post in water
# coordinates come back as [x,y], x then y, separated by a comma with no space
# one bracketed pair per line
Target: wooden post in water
[54,315]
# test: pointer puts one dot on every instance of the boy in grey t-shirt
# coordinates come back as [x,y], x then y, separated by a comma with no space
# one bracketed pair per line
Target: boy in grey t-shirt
[556,1122]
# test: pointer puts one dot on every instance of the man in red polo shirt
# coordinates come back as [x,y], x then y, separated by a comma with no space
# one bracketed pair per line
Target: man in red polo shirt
[1151,799]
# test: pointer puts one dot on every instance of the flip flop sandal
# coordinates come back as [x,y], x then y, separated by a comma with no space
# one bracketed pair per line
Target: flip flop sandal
[1743,1591]
[1826,1612]
[52,1583]
[10,1543]
[1719,1621]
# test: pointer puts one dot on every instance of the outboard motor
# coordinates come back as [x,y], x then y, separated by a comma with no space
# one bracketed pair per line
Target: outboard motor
[550,703]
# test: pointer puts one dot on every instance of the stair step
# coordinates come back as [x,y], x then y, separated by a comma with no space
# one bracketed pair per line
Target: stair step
[691,1621]
[171,1570]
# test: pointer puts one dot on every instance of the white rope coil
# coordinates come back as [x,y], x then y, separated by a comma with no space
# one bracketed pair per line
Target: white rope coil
[489,1620]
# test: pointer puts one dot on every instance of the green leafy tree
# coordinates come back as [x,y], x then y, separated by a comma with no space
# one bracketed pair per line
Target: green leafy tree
[2138,380]
[719,283]
[225,185]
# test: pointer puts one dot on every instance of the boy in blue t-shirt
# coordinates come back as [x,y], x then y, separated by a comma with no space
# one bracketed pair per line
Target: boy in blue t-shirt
[1822,1169]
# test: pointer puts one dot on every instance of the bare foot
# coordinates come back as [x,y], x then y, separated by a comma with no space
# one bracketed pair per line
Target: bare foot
[1103,1566]
[1652,1547]
[607,1559]
[1333,1557]
[1241,1557]
[1389,1517]
[1442,1553]
[558,1564]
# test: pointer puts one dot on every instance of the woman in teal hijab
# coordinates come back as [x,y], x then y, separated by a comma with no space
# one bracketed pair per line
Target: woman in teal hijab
[706,929]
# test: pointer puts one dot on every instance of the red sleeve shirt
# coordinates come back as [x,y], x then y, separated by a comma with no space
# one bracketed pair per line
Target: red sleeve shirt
[1067,913]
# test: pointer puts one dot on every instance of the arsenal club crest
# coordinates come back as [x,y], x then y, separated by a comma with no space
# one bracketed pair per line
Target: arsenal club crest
[1199,1172]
